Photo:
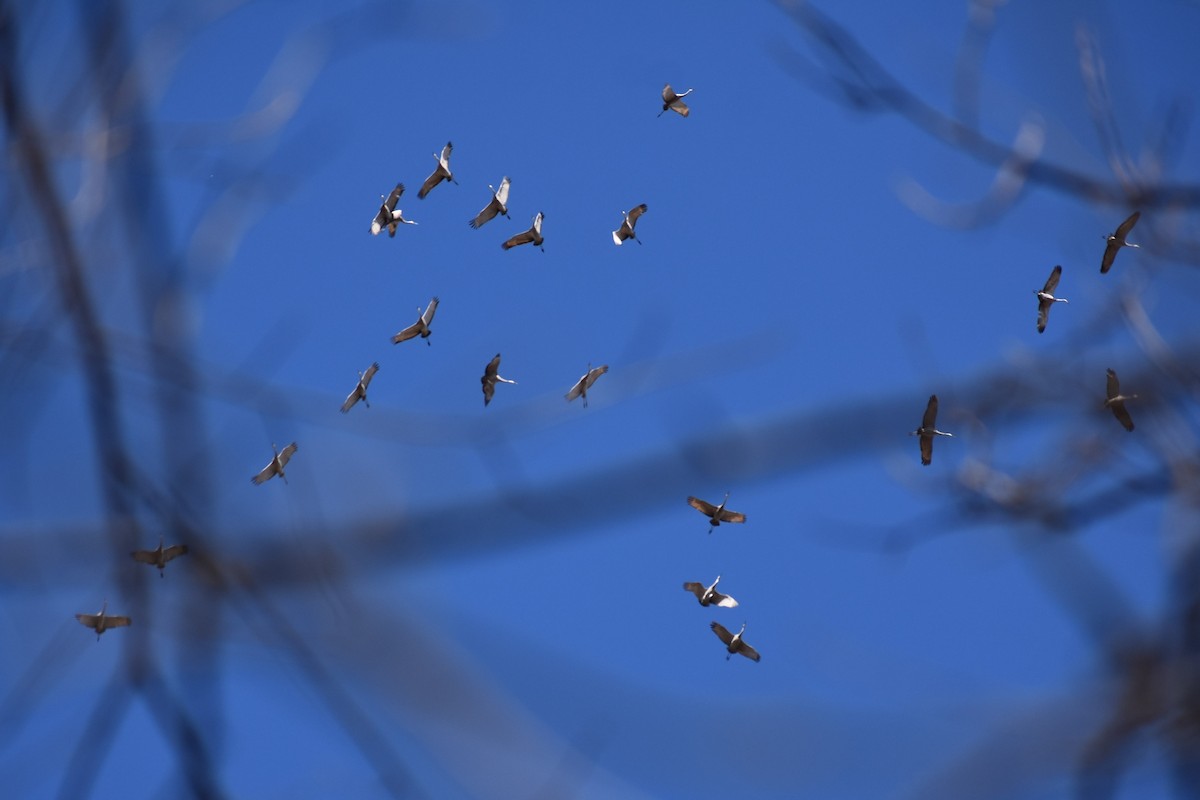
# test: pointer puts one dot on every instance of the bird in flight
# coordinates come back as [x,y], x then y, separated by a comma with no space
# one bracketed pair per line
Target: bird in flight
[360,390]
[440,173]
[388,215]
[733,641]
[580,389]
[1116,401]
[497,205]
[716,514]
[491,375]
[160,555]
[1116,240]
[1046,298]
[421,326]
[709,596]
[276,466]
[674,101]
[102,621]
[928,430]
[534,234]
[626,230]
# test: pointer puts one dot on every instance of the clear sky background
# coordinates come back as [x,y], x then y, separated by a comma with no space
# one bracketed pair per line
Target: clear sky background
[453,601]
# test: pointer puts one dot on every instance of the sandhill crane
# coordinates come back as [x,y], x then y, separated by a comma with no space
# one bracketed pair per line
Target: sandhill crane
[497,205]
[928,430]
[491,375]
[1116,401]
[160,555]
[709,595]
[1116,240]
[626,230]
[1046,298]
[733,641]
[716,514]
[674,101]
[276,466]
[441,173]
[103,621]
[388,215]
[580,389]
[360,391]
[421,326]
[534,234]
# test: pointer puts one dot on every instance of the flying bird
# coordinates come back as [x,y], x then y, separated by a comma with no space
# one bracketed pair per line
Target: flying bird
[102,621]
[421,326]
[733,641]
[674,101]
[441,173]
[360,391]
[160,555]
[497,205]
[716,514]
[709,595]
[580,389]
[534,234]
[626,230]
[1046,298]
[388,215]
[1116,241]
[491,375]
[1116,401]
[276,466]
[928,430]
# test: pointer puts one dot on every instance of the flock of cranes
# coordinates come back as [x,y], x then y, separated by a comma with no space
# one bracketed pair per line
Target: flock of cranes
[390,217]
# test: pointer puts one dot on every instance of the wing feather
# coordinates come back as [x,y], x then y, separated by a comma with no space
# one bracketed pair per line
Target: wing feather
[524,237]
[636,212]
[722,634]
[265,474]
[502,192]
[285,455]
[430,182]
[707,509]
[724,600]
[1110,253]
[1052,281]
[1112,385]
[430,310]
[89,620]
[926,450]
[174,551]
[408,333]
[117,622]
[732,516]
[749,652]
[1122,415]
[1125,227]
[695,588]
[145,556]
[929,420]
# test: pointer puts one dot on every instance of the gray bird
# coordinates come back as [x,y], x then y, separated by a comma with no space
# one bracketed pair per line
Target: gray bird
[534,234]
[421,326]
[360,390]
[102,621]
[276,466]
[497,205]
[1046,298]
[733,641]
[580,389]
[491,375]
[388,215]
[626,230]
[928,430]
[160,555]
[674,101]
[1116,240]
[1116,401]
[709,595]
[441,173]
[716,514]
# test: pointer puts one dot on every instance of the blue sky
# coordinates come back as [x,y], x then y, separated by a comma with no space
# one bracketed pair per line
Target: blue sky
[487,601]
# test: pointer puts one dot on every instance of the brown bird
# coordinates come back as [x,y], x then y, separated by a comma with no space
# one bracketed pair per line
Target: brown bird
[534,234]
[580,389]
[497,205]
[716,514]
[276,466]
[928,430]
[1116,401]
[1046,298]
[1116,241]
[733,641]
[626,230]
[388,216]
[491,375]
[709,595]
[674,101]
[441,173]
[102,621]
[159,556]
[421,326]
[360,391]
